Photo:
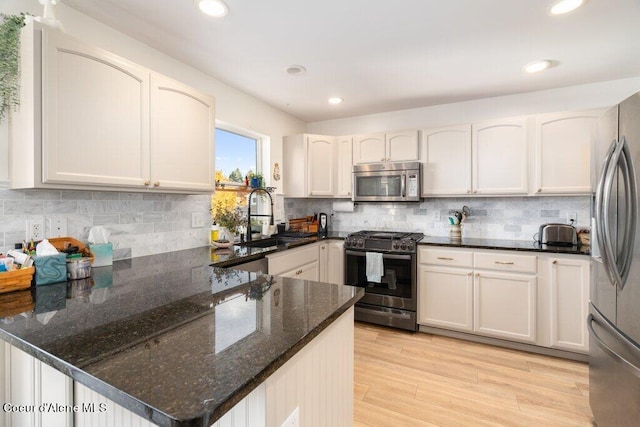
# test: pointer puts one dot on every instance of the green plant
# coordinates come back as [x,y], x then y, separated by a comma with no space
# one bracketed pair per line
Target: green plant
[10,63]
[227,217]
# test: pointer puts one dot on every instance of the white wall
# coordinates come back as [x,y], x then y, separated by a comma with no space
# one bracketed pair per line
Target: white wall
[582,97]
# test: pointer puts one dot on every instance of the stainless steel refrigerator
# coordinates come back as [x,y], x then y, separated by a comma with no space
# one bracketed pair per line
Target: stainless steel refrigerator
[614,319]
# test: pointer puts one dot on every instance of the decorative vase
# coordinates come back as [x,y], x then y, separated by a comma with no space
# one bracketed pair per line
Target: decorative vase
[455,232]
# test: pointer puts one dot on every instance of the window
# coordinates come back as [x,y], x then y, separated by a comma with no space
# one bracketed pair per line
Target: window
[236,158]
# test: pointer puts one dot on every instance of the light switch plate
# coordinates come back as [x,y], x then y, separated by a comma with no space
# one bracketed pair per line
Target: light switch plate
[197,220]
[57,227]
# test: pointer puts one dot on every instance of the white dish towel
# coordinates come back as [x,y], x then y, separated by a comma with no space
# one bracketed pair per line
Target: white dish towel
[375,267]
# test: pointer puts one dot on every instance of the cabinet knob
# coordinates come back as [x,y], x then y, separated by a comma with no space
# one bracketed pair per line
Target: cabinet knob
[147,183]
[156,184]
[468,190]
[554,262]
[475,191]
[539,190]
[382,159]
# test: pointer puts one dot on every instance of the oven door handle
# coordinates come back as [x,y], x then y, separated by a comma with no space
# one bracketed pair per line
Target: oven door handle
[384,255]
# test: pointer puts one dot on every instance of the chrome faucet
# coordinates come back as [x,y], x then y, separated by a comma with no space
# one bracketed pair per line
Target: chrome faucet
[265,191]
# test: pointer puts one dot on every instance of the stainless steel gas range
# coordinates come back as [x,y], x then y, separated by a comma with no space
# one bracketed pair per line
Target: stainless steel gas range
[385,265]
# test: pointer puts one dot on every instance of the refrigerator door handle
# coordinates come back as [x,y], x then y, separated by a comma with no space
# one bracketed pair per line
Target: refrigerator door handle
[603,198]
[631,206]
[608,350]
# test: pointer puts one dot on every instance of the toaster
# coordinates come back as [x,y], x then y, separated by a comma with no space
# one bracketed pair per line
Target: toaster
[558,235]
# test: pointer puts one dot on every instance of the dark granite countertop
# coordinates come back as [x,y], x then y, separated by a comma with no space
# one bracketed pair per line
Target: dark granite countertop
[512,245]
[168,336]
[238,254]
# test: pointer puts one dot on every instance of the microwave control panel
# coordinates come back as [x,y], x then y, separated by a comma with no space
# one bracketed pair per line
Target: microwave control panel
[412,185]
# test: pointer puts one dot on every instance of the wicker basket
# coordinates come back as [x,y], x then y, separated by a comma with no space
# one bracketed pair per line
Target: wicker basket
[62,243]
[16,279]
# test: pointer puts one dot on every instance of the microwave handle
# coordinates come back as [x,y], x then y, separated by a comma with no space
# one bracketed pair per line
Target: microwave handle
[403,185]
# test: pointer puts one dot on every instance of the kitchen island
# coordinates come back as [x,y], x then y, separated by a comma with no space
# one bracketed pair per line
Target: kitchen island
[178,342]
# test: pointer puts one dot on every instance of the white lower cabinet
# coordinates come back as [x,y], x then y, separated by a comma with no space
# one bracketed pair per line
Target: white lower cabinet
[309,271]
[331,261]
[565,284]
[301,263]
[504,305]
[533,298]
[446,297]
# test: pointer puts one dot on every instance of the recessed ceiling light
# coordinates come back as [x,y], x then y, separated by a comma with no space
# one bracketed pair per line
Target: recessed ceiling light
[335,100]
[536,66]
[565,6]
[295,70]
[215,8]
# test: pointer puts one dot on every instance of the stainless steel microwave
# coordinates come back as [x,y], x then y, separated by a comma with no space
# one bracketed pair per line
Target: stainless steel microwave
[386,182]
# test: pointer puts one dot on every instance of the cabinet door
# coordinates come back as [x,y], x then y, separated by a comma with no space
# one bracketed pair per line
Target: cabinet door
[505,305]
[500,157]
[345,166]
[182,139]
[369,148]
[446,160]
[321,171]
[569,304]
[563,152]
[402,146]
[95,126]
[335,263]
[309,271]
[445,297]
[323,261]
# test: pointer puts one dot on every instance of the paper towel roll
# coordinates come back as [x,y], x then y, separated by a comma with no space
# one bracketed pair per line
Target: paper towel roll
[344,206]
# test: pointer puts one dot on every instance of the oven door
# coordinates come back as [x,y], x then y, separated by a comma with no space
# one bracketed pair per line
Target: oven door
[397,288]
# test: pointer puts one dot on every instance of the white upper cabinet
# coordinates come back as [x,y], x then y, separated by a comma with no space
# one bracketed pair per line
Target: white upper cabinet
[445,154]
[183,123]
[321,165]
[500,157]
[369,148]
[310,165]
[562,152]
[106,123]
[95,125]
[344,166]
[402,146]
[386,147]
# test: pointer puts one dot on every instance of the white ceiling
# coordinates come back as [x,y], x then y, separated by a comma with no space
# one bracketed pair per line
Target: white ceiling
[383,56]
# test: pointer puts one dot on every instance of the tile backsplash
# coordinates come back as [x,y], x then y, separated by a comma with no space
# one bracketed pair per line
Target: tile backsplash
[514,218]
[140,223]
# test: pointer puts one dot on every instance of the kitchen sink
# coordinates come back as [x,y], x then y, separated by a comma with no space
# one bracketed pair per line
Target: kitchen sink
[275,241]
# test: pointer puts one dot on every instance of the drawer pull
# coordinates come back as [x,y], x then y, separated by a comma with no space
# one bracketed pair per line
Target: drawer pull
[504,262]
[445,258]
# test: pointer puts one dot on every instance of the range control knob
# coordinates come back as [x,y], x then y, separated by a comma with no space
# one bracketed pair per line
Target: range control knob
[396,246]
[360,243]
[403,245]
[411,246]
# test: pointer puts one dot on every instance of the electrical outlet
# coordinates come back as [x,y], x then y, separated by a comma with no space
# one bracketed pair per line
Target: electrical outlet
[293,420]
[572,218]
[35,229]
[57,227]
[197,220]
[436,215]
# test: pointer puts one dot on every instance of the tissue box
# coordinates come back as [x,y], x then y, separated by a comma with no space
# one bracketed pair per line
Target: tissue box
[50,269]
[103,253]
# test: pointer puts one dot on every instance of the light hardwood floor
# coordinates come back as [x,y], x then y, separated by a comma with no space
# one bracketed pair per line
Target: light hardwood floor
[418,379]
